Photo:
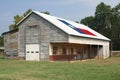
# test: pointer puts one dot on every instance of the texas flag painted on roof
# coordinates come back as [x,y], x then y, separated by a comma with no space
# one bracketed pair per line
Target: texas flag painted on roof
[70,27]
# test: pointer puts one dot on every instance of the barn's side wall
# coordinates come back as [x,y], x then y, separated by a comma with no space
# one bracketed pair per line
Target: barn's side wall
[82,40]
[46,34]
[11,44]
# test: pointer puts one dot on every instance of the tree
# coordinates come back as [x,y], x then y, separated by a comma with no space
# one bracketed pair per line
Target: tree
[115,21]
[102,16]
[101,21]
[17,18]
[89,21]
[107,22]
[115,29]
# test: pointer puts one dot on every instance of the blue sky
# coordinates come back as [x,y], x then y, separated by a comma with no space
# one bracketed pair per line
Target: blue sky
[74,10]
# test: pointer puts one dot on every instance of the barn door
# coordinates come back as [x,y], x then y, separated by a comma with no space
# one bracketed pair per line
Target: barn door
[32,52]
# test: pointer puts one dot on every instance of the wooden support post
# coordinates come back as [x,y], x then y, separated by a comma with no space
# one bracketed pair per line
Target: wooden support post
[98,51]
[82,53]
[69,49]
[90,51]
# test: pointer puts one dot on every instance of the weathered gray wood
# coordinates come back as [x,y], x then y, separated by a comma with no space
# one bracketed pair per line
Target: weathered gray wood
[42,33]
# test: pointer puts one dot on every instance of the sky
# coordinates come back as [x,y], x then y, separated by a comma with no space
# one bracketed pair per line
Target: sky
[74,10]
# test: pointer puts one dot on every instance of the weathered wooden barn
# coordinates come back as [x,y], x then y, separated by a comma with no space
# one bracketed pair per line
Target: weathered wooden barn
[44,37]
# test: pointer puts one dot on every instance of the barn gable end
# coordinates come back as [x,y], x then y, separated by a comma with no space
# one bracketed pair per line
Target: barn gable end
[36,30]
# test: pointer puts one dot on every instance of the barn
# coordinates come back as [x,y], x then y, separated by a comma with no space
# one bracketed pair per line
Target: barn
[44,37]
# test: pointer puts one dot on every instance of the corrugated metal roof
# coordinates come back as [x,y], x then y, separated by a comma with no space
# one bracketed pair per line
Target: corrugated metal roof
[70,27]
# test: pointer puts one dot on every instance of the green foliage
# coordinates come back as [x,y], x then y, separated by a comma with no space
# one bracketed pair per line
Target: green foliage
[107,22]
[107,69]
[102,15]
[13,27]
[17,18]
[89,21]
[27,12]
[46,12]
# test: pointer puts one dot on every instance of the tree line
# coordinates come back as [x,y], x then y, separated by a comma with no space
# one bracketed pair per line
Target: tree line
[105,21]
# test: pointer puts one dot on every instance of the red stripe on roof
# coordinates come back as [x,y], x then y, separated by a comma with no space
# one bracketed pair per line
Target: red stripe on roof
[87,32]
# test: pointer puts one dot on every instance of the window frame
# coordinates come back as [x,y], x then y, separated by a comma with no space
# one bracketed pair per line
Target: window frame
[55,50]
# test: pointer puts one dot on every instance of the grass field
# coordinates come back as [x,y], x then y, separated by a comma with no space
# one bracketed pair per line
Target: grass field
[107,69]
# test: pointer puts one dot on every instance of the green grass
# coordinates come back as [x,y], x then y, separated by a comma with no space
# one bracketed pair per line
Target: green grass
[2,57]
[107,69]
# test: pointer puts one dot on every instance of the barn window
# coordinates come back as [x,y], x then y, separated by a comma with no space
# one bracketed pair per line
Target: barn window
[55,48]
[64,50]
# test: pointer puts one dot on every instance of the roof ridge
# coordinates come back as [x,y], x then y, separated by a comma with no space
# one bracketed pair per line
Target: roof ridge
[69,27]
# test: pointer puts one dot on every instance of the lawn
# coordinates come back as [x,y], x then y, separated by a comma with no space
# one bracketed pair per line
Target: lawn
[107,69]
